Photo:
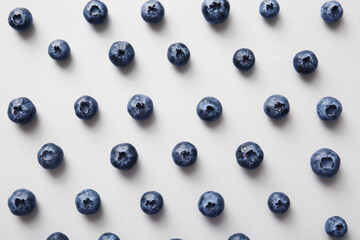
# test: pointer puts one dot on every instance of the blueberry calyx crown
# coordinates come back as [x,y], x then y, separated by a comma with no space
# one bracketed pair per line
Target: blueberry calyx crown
[251,154]
[210,206]
[245,58]
[151,203]
[88,202]
[140,106]
[85,107]
[19,203]
[122,155]
[306,59]
[152,8]
[17,18]
[335,9]
[279,106]
[330,110]
[17,109]
[327,163]
[179,52]
[210,109]
[57,49]
[94,10]
[215,6]
[339,227]
[47,155]
[185,154]
[279,203]
[121,52]
[270,6]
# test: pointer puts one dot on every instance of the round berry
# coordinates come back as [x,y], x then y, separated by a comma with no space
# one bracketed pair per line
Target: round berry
[50,156]
[123,156]
[59,50]
[209,109]
[151,202]
[329,109]
[20,19]
[21,110]
[249,155]
[22,202]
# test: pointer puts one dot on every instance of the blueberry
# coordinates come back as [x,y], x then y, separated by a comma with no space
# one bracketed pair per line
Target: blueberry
[277,107]
[305,62]
[86,107]
[178,54]
[20,19]
[336,227]
[278,202]
[238,236]
[325,162]
[184,154]
[123,156]
[21,110]
[211,204]
[269,8]
[57,236]
[151,202]
[95,12]
[109,236]
[121,53]
[22,202]
[329,109]
[88,202]
[215,11]
[244,59]
[331,11]
[140,107]
[249,155]
[152,11]
[50,156]
[59,50]
[209,109]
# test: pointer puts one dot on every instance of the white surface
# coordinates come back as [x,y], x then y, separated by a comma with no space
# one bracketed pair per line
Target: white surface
[27,70]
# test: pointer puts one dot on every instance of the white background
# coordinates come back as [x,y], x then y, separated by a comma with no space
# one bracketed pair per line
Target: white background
[27,70]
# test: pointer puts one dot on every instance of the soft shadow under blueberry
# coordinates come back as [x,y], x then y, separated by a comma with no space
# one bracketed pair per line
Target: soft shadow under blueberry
[330,181]
[334,26]
[148,122]
[221,27]
[131,173]
[255,173]
[97,216]
[332,125]
[184,69]
[92,122]
[29,218]
[65,63]
[215,124]
[28,33]
[273,21]
[310,77]
[191,169]
[281,122]
[346,237]
[30,126]
[158,217]
[159,26]
[285,216]
[128,69]
[248,74]
[219,219]
[59,170]
[102,27]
